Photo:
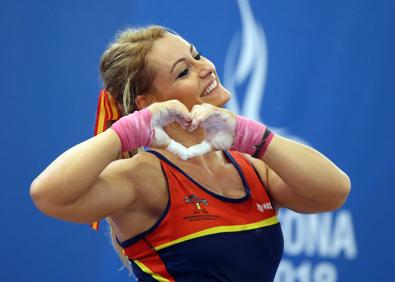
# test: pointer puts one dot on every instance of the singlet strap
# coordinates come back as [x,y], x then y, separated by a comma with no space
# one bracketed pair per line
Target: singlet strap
[249,170]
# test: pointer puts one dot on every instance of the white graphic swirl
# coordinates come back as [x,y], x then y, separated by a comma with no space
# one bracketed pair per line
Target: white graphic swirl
[247,60]
[252,63]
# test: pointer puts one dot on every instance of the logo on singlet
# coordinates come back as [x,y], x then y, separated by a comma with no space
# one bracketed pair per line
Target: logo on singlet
[198,203]
[264,206]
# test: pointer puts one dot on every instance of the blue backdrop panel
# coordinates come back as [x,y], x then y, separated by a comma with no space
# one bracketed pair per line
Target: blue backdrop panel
[318,72]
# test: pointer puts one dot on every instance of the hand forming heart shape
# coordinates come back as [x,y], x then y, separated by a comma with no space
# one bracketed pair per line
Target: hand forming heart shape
[219,123]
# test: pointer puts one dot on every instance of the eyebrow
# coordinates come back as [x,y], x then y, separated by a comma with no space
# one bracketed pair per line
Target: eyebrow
[182,59]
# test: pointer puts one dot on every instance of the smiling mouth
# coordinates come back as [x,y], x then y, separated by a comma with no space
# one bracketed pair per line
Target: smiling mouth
[209,89]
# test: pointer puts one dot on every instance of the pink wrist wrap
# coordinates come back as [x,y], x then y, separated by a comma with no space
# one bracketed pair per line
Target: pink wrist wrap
[251,137]
[134,130]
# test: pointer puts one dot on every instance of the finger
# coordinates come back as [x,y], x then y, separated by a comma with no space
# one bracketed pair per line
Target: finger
[178,149]
[200,149]
[205,119]
[167,112]
[198,110]
[194,124]
[180,113]
[221,140]
[199,113]
[185,124]
[179,109]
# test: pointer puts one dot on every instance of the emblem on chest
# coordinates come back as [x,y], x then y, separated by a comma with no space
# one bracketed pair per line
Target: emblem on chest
[199,207]
[198,203]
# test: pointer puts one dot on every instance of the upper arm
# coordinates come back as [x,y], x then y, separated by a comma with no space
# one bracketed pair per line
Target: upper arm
[282,194]
[116,189]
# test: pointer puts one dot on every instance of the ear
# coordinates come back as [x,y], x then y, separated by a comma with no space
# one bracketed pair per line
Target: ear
[144,100]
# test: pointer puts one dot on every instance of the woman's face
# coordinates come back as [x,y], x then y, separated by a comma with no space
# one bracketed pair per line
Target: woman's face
[182,74]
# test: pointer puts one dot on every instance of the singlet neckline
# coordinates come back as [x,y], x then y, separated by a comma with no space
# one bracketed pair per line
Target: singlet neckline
[215,195]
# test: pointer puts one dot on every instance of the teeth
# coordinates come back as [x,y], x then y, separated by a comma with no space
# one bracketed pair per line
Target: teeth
[210,88]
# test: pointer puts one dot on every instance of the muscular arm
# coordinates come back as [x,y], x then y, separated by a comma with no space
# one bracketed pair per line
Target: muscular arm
[81,180]
[84,183]
[300,178]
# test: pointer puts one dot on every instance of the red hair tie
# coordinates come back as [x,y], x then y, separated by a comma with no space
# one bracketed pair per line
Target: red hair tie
[106,114]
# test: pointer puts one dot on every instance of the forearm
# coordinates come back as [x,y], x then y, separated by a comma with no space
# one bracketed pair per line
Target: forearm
[307,171]
[297,171]
[75,171]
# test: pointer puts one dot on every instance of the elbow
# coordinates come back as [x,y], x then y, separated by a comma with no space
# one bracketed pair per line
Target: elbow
[37,194]
[42,196]
[345,188]
[46,199]
[35,191]
[341,191]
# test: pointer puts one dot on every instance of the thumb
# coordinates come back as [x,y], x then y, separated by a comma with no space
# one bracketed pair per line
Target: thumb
[161,139]
[178,149]
[200,149]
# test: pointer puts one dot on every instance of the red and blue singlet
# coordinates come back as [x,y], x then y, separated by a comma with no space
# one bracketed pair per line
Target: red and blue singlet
[202,236]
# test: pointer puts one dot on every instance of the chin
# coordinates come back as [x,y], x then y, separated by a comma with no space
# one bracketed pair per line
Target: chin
[222,98]
[226,99]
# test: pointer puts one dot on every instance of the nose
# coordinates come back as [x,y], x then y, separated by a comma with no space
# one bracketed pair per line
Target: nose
[206,69]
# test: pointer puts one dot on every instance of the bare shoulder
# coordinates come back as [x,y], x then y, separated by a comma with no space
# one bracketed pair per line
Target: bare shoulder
[141,168]
[260,167]
[140,176]
[144,170]
[150,195]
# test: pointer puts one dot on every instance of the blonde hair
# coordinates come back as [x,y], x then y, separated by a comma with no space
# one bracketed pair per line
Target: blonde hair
[125,74]
[123,66]
[124,259]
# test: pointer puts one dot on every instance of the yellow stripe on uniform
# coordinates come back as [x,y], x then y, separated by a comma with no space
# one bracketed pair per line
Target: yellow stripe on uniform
[221,229]
[148,271]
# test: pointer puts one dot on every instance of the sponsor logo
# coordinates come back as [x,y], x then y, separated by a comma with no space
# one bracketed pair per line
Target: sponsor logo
[264,206]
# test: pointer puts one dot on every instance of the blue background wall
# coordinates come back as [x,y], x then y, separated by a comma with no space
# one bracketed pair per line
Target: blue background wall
[328,81]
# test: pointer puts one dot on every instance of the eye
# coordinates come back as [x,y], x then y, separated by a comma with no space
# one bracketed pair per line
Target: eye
[183,73]
[197,56]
